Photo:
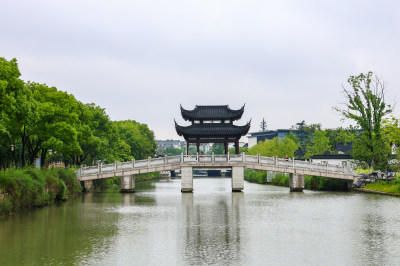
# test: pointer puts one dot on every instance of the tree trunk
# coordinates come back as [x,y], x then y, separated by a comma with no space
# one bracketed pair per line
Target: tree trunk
[43,157]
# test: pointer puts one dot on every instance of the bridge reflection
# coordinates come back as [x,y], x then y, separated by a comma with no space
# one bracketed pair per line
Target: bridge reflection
[209,236]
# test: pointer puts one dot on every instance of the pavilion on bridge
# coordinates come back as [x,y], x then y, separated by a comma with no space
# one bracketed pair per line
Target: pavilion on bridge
[212,124]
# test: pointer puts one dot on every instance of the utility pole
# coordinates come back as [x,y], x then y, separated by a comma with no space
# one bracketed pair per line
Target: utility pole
[263,125]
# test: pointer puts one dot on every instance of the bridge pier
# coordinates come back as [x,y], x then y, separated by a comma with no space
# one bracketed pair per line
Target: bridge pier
[349,185]
[127,184]
[296,182]
[237,178]
[87,185]
[186,179]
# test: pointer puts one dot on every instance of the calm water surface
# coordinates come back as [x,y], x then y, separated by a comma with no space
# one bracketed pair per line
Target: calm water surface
[264,225]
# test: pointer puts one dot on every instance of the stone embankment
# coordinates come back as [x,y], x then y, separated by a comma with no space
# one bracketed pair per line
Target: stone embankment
[372,177]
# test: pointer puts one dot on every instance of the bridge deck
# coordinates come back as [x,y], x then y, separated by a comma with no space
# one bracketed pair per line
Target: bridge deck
[214,161]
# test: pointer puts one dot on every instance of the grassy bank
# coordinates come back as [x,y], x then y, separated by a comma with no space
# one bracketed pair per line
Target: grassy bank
[28,188]
[310,182]
[392,187]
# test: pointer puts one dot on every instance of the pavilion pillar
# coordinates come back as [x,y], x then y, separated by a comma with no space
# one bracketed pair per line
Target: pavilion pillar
[198,147]
[226,147]
[237,147]
[187,147]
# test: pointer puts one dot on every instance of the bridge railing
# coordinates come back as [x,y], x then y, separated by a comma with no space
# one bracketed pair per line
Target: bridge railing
[205,159]
[194,159]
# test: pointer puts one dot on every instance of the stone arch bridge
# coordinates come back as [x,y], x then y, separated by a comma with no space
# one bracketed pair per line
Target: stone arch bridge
[236,162]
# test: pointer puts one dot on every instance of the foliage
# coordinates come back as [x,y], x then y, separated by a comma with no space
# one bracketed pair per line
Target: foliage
[363,171]
[171,151]
[305,132]
[241,150]
[320,144]
[27,188]
[310,182]
[391,132]
[218,148]
[365,104]
[116,181]
[393,187]
[281,148]
[280,179]
[259,177]
[377,157]
[36,118]
[138,137]
[147,176]
[324,183]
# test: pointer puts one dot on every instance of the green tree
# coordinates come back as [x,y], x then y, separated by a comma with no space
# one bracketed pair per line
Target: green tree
[54,124]
[218,148]
[365,104]
[13,101]
[305,132]
[97,135]
[391,132]
[171,151]
[320,144]
[241,150]
[281,148]
[139,137]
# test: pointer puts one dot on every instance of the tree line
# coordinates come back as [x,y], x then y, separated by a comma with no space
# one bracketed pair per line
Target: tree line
[39,121]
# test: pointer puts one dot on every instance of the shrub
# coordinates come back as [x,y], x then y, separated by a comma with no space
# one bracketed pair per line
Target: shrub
[259,177]
[281,179]
[27,188]
[69,178]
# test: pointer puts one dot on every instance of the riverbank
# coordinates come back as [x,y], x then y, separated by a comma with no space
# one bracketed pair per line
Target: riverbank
[23,189]
[364,190]
[282,179]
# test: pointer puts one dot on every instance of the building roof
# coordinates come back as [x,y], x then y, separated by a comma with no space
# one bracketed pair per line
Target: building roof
[271,132]
[344,147]
[212,130]
[212,112]
[332,156]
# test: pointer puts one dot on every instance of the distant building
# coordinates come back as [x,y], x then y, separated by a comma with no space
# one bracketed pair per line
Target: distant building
[255,137]
[334,159]
[163,144]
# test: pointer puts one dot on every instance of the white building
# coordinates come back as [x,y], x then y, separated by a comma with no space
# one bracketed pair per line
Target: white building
[163,144]
[334,159]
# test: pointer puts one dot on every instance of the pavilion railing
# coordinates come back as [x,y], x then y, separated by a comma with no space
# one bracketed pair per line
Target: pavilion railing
[213,159]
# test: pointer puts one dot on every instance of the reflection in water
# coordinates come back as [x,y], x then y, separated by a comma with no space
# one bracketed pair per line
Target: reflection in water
[159,225]
[212,230]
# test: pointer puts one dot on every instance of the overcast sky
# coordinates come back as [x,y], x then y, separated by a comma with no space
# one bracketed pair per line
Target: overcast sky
[286,60]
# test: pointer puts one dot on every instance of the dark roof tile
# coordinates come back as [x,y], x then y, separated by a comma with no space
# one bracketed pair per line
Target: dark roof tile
[212,112]
[201,130]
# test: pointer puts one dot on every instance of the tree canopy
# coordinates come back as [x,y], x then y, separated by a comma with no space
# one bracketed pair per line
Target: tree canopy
[36,119]
[281,148]
[365,104]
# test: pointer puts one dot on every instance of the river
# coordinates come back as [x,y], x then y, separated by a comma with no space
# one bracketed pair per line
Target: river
[158,225]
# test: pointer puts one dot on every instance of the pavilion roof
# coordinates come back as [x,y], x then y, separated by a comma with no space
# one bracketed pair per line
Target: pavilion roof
[212,130]
[212,112]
